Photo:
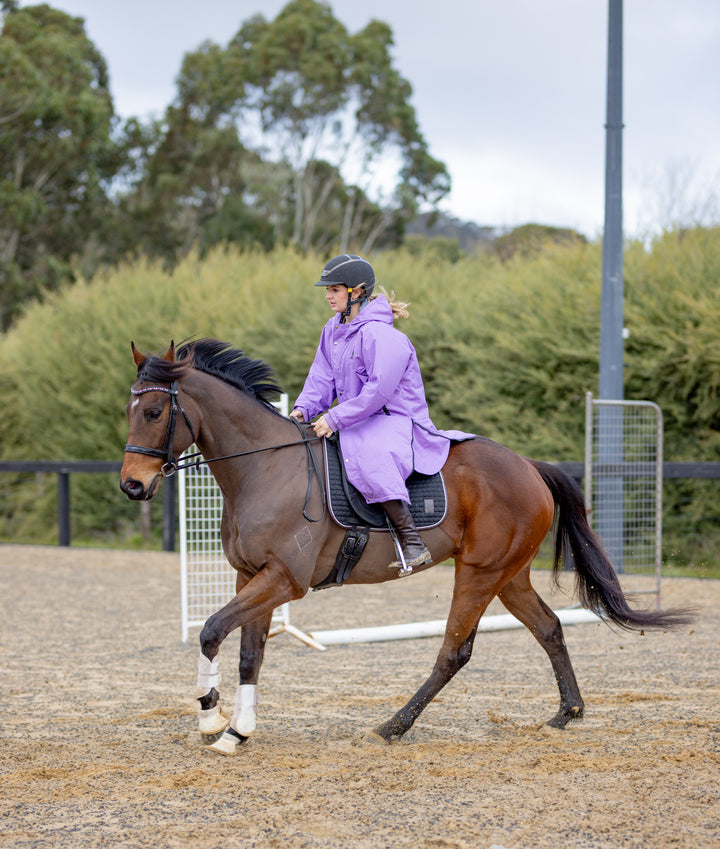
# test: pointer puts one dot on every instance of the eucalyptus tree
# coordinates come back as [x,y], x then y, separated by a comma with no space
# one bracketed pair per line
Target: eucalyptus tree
[181,187]
[56,117]
[325,110]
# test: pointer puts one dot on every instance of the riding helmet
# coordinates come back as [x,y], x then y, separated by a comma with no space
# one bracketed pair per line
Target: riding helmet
[348,270]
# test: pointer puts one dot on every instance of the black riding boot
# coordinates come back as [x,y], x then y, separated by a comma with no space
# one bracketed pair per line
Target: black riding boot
[414,549]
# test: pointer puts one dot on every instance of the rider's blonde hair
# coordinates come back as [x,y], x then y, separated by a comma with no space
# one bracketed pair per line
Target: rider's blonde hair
[399,308]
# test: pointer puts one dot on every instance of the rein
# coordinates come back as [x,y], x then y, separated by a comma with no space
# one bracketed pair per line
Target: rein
[171,465]
[188,462]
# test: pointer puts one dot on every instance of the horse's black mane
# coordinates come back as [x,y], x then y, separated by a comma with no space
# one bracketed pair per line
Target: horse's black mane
[253,377]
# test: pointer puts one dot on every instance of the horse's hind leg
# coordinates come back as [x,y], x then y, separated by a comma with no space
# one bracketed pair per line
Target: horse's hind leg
[472,593]
[525,604]
[450,660]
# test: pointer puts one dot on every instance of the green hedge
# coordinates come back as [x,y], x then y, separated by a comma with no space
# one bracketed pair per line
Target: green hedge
[507,348]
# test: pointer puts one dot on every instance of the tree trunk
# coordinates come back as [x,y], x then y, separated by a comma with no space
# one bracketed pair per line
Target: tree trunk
[297,226]
[375,232]
[314,208]
[347,221]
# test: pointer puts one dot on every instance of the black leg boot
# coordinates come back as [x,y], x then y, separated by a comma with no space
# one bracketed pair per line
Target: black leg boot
[414,549]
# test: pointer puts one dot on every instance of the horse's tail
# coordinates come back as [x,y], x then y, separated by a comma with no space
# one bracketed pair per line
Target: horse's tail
[596,581]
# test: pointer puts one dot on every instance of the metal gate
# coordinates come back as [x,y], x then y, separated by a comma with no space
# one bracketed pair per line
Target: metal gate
[206,580]
[623,483]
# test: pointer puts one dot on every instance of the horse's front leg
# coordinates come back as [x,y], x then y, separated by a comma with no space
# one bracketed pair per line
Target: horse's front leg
[244,718]
[252,607]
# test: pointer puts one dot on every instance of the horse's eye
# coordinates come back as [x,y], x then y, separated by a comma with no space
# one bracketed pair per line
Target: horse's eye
[152,415]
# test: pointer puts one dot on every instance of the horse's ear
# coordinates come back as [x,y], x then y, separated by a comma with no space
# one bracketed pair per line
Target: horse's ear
[137,356]
[170,353]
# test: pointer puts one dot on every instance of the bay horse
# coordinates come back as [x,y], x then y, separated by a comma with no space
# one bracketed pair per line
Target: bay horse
[279,538]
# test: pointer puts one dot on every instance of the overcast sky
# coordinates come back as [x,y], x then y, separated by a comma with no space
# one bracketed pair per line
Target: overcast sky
[510,95]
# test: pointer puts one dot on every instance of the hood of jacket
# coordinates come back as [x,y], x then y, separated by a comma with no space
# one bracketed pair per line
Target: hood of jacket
[376,310]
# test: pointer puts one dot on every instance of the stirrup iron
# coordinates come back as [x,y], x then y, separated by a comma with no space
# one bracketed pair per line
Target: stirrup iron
[400,564]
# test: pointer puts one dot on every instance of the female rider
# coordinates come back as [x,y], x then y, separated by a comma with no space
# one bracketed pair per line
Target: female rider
[382,418]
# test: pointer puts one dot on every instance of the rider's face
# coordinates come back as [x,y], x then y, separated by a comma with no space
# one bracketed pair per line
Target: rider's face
[337,297]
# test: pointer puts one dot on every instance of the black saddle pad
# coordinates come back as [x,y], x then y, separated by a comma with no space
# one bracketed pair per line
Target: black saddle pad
[348,507]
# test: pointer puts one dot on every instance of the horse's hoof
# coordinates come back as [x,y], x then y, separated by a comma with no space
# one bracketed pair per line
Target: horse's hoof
[374,739]
[563,716]
[209,739]
[227,744]
[389,732]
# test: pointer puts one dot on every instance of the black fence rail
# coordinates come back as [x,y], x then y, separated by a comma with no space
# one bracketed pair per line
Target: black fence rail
[670,470]
[63,470]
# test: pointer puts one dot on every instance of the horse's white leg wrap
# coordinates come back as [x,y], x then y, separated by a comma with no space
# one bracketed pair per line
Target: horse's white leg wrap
[244,718]
[208,676]
[210,721]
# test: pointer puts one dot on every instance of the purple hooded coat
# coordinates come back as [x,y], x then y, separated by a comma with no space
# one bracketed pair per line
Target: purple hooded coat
[382,417]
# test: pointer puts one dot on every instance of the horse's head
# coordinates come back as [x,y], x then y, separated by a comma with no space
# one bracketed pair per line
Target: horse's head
[156,434]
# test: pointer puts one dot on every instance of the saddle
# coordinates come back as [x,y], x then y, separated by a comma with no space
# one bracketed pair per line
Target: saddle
[428,498]
[349,509]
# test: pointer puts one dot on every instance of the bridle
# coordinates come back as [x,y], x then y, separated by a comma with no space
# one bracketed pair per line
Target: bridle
[172,465]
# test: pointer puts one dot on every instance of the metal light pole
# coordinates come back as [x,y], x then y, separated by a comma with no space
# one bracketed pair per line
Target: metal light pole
[609,510]
[611,328]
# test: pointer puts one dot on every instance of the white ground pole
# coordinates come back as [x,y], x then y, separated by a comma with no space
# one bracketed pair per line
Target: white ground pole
[435,628]
[207,582]
[281,624]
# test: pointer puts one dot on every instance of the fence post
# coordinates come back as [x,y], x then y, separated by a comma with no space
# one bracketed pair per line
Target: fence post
[63,499]
[169,521]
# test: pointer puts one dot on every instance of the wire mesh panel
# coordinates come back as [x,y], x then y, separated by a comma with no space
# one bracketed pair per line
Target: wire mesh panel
[623,483]
[207,582]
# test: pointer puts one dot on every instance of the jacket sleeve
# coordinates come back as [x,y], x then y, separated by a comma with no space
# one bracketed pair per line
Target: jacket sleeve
[318,393]
[384,353]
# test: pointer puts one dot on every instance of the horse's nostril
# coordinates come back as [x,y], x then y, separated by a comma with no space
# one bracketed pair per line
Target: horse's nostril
[132,488]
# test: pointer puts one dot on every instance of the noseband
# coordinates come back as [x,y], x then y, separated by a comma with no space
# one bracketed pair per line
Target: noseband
[165,453]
